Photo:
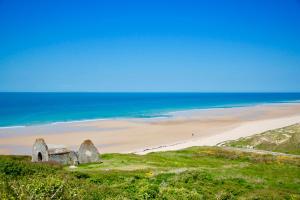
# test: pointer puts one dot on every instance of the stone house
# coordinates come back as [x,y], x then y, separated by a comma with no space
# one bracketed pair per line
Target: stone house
[41,152]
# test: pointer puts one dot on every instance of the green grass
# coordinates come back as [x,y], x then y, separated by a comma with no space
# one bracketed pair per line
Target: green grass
[193,173]
[284,140]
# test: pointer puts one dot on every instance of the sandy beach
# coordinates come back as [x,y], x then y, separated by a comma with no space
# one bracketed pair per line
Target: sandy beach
[183,129]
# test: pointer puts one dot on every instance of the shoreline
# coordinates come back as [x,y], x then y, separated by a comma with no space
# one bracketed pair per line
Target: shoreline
[242,131]
[163,115]
[183,129]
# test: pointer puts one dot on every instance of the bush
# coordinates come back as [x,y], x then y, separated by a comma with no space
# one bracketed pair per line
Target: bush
[179,193]
[81,175]
[49,187]
[15,168]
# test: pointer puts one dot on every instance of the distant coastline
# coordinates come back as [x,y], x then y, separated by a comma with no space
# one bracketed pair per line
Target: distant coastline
[28,109]
[163,116]
[166,116]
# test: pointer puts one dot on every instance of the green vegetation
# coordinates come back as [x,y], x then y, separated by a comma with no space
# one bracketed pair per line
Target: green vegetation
[193,173]
[284,140]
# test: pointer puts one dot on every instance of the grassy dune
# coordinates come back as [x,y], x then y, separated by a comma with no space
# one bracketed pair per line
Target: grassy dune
[284,140]
[193,173]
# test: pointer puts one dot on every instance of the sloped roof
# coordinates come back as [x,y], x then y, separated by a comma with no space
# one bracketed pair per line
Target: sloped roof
[57,149]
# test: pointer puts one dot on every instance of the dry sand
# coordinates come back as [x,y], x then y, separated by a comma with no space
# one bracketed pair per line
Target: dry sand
[183,129]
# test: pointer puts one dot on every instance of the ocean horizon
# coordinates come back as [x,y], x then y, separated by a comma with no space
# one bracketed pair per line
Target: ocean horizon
[35,108]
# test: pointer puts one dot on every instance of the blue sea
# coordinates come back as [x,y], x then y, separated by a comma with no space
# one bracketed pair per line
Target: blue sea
[23,109]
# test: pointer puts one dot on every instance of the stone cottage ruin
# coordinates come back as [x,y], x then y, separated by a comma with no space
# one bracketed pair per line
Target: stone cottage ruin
[87,152]
[41,152]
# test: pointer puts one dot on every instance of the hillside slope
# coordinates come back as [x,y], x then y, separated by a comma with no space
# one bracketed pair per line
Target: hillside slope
[193,173]
[285,140]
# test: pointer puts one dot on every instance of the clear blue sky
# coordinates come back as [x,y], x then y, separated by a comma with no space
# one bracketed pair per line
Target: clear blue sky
[157,45]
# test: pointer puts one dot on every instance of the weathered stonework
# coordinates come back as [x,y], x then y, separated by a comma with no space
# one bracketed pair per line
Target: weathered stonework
[43,153]
[40,151]
[69,158]
[88,152]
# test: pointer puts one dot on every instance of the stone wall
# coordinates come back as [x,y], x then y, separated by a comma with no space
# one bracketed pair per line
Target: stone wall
[88,152]
[40,151]
[69,158]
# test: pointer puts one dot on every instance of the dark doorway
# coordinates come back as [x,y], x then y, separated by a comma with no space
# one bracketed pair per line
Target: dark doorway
[40,157]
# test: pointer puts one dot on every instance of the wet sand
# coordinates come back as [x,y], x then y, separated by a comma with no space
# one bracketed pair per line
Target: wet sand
[183,129]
